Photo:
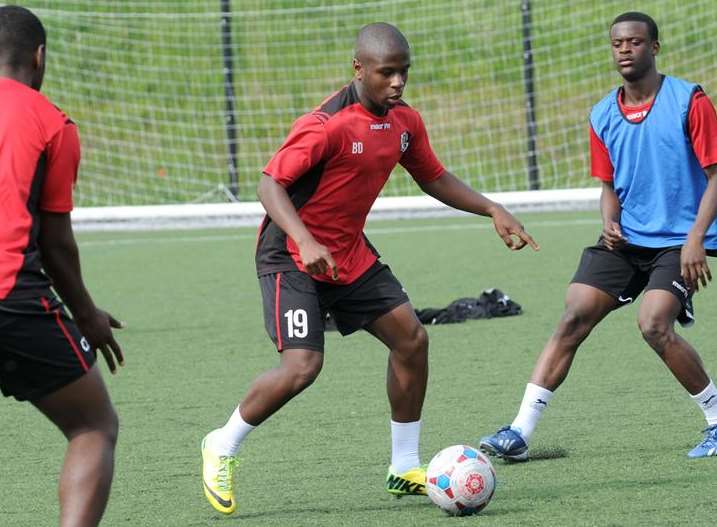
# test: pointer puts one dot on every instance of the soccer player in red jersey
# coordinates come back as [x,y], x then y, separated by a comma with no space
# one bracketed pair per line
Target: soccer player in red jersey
[312,256]
[653,144]
[46,357]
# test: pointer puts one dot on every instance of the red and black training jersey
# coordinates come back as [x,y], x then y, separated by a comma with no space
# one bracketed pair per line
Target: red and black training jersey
[39,157]
[333,165]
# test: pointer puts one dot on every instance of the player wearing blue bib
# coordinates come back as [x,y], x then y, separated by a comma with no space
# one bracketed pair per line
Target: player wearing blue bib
[654,147]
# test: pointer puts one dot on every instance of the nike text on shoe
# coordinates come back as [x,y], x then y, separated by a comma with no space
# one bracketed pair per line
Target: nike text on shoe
[410,483]
[217,474]
[708,446]
[506,443]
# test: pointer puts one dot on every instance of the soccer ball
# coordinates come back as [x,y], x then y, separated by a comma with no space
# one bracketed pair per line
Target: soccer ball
[460,480]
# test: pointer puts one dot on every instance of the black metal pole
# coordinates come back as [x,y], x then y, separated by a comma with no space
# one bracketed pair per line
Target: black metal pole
[229,113]
[533,174]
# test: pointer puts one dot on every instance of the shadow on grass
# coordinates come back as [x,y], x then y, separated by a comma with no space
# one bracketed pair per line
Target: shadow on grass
[378,507]
[346,511]
[536,455]
[542,454]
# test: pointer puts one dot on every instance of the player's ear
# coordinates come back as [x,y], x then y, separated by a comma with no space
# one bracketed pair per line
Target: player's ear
[38,58]
[38,67]
[655,47]
[358,69]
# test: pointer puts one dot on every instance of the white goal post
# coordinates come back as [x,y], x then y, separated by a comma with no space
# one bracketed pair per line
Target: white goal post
[212,215]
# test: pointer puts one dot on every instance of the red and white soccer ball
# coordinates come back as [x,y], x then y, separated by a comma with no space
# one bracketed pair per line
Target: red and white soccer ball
[460,480]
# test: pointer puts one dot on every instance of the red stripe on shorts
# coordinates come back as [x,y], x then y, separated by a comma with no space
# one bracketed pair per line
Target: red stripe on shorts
[46,304]
[277,300]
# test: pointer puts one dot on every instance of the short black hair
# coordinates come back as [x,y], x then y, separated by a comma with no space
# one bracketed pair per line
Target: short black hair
[21,33]
[636,16]
[378,38]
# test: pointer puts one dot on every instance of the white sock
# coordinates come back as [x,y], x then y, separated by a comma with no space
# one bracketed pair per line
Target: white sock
[404,445]
[225,441]
[707,401]
[535,400]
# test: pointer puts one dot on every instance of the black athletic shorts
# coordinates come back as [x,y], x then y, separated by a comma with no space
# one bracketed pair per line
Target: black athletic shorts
[41,348]
[624,273]
[295,305]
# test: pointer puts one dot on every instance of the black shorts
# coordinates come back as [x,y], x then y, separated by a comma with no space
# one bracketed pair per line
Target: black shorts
[624,273]
[41,348]
[295,305]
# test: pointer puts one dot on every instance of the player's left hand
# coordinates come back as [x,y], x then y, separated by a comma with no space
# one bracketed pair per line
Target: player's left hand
[511,230]
[97,329]
[693,264]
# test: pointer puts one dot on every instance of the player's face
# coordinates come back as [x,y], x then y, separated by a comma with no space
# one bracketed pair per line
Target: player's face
[382,80]
[633,50]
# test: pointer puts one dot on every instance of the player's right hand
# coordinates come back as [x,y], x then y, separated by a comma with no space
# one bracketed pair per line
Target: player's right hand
[97,329]
[612,235]
[693,264]
[511,231]
[317,259]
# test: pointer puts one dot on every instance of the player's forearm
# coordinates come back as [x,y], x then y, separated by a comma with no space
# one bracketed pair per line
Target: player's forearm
[707,211]
[61,262]
[278,206]
[609,205]
[454,193]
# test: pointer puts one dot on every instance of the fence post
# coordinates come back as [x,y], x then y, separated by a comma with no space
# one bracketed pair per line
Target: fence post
[533,174]
[229,97]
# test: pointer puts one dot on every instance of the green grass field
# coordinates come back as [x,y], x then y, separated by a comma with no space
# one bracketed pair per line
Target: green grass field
[611,450]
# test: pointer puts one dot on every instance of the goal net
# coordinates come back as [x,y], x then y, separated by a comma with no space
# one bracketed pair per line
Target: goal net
[146,82]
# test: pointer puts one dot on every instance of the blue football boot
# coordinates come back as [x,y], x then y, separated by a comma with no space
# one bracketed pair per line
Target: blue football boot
[506,443]
[708,446]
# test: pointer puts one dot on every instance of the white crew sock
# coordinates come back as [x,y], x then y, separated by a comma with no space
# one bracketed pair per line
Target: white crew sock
[404,445]
[535,400]
[707,401]
[225,441]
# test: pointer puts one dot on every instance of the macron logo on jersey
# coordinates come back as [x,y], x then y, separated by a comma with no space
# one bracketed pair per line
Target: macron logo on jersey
[380,126]
[637,116]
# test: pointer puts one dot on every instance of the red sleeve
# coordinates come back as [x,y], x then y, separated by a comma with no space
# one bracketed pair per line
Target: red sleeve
[600,164]
[419,159]
[703,129]
[304,148]
[63,160]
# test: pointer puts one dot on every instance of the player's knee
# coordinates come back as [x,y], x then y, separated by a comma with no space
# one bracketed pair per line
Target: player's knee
[305,371]
[421,339]
[656,331]
[574,326]
[111,428]
[416,343]
[104,425]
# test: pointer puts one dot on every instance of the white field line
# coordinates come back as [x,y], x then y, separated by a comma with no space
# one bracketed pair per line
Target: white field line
[370,231]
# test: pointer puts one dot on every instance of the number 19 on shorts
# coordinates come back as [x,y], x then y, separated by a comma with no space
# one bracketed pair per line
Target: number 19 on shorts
[297,323]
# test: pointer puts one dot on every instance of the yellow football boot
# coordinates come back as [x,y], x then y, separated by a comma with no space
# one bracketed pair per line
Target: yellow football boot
[410,483]
[217,473]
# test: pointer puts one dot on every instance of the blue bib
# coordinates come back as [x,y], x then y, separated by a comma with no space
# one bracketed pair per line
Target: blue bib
[657,178]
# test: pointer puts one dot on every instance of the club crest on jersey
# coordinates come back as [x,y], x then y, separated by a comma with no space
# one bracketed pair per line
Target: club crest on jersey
[405,141]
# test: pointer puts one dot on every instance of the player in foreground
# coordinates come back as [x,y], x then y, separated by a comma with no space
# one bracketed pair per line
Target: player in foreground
[44,357]
[312,256]
[654,147]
